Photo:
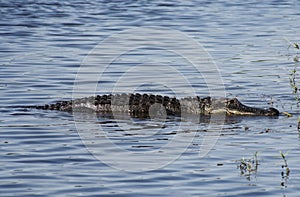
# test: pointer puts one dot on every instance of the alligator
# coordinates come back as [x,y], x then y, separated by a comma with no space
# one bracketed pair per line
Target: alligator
[141,104]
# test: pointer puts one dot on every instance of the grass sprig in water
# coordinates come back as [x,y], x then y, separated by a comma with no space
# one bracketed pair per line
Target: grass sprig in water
[294,72]
[248,166]
[285,173]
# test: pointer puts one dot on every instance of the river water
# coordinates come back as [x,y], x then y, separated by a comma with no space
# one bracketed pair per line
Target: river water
[55,50]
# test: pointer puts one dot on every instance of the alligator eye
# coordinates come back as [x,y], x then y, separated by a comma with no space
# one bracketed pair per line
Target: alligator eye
[232,101]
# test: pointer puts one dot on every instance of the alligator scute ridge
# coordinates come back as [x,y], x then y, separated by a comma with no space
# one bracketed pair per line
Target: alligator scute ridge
[137,103]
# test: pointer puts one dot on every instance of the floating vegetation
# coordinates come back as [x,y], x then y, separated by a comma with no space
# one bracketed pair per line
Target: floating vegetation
[296,45]
[287,114]
[248,166]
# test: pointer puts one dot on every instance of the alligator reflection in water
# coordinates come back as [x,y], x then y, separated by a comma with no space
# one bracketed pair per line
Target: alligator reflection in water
[144,105]
[193,118]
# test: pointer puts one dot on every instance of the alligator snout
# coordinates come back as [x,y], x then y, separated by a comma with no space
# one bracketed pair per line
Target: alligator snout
[272,112]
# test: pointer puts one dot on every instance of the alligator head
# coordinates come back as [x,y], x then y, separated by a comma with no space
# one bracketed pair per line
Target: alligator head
[234,107]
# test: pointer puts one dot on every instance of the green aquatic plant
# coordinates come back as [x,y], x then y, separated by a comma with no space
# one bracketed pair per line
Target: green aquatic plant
[293,83]
[285,173]
[285,166]
[293,75]
[248,166]
[296,45]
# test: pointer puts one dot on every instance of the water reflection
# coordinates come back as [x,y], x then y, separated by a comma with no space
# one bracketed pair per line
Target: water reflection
[43,44]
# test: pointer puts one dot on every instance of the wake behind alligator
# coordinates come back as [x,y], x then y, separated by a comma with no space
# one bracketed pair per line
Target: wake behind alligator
[147,104]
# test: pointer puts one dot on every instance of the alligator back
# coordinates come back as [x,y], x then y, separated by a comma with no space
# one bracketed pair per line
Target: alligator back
[128,103]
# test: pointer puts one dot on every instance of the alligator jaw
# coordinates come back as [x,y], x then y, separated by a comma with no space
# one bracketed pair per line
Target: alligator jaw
[254,112]
[234,107]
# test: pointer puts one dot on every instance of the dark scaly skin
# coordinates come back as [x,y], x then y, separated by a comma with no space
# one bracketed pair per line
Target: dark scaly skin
[136,104]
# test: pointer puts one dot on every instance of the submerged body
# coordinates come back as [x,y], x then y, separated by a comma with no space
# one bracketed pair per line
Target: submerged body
[147,104]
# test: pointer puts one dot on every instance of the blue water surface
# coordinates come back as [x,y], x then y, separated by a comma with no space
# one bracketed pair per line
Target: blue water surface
[47,153]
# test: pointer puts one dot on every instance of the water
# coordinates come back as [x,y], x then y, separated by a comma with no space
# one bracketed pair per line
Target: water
[46,153]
